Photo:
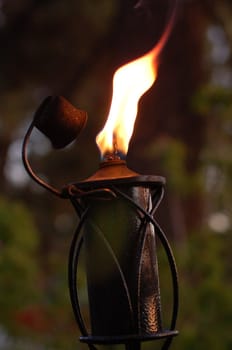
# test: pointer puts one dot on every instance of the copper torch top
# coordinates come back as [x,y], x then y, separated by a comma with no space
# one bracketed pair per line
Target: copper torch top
[115,172]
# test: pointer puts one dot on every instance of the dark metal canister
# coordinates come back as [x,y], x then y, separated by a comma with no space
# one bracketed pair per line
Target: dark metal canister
[121,263]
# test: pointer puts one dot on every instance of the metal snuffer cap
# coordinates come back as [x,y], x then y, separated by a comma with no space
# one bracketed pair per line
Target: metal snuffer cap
[59,120]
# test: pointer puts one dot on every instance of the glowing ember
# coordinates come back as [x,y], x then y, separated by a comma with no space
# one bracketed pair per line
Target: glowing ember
[130,82]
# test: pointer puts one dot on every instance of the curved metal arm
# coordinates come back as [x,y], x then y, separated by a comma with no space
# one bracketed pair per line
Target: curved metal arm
[26,163]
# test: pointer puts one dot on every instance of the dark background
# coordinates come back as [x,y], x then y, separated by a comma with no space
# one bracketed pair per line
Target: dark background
[183,131]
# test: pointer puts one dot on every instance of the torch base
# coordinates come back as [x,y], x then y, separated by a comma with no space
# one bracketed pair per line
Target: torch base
[101,340]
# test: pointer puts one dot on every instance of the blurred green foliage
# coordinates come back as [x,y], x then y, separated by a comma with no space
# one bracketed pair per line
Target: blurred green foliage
[205,293]
[171,154]
[215,103]
[204,320]
[18,262]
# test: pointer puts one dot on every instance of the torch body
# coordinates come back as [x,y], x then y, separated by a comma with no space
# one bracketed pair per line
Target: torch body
[121,264]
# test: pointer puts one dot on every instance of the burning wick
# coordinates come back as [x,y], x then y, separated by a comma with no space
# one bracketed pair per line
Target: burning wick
[130,82]
[115,154]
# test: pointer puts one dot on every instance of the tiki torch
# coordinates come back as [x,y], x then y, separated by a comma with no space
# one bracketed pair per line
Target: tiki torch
[117,229]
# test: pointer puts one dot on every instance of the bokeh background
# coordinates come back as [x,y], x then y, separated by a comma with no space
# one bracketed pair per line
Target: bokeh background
[183,132]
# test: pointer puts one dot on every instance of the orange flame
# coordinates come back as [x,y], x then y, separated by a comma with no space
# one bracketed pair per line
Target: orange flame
[130,82]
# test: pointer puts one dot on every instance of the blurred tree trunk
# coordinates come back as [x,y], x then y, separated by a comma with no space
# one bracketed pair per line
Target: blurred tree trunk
[181,76]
